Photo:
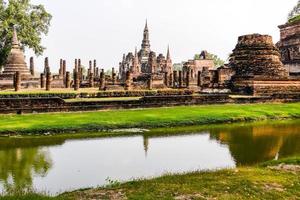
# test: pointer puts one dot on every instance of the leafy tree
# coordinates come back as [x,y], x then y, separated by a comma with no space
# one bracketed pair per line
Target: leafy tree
[295,12]
[177,66]
[31,22]
[217,61]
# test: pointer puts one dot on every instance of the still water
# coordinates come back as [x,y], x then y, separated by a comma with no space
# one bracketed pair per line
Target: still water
[56,165]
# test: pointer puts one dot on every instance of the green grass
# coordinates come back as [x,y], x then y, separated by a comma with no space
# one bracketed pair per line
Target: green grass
[145,118]
[241,183]
[30,196]
[257,182]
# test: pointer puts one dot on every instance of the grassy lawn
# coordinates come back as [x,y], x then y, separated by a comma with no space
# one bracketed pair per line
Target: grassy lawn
[145,118]
[258,182]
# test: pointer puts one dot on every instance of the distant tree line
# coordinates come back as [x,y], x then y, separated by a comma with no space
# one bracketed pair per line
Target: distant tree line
[217,61]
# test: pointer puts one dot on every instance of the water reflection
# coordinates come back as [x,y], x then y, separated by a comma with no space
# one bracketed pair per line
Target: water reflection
[18,166]
[56,164]
[253,144]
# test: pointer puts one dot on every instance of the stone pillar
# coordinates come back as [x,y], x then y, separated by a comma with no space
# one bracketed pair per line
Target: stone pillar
[61,74]
[199,79]
[46,66]
[17,81]
[188,77]
[97,72]
[68,80]
[95,65]
[102,80]
[43,80]
[150,83]
[166,79]
[113,76]
[64,68]
[76,65]
[79,71]
[31,66]
[128,81]
[174,79]
[91,80]
[180,79]
[48,81]
[171,80]
[90,70]
[76,80]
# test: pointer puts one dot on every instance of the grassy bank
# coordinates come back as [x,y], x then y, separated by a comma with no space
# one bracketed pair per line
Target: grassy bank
[258,182]
[145,118]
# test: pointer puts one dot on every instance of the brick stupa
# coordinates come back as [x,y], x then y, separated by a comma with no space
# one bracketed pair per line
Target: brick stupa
[255,56]
[258,68]
[16,59]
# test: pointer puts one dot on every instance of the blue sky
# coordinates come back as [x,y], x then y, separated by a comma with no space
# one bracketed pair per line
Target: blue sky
[105,29]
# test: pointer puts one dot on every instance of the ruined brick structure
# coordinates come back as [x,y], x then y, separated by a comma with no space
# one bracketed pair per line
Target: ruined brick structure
[258,68]
[200,70]
[289,46]
[16,60]
[145,65]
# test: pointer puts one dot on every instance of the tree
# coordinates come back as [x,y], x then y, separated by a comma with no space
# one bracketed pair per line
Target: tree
[31,22]
[295,12]
[217,61]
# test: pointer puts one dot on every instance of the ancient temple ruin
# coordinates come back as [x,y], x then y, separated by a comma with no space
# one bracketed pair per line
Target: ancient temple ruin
[289,46]
[147,70]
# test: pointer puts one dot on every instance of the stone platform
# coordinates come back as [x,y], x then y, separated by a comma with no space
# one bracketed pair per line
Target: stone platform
[56,104]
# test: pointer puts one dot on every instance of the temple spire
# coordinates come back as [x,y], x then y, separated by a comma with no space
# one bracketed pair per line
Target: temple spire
[135,52]
[15,41]
[146,26]
[168,53]
[146,42]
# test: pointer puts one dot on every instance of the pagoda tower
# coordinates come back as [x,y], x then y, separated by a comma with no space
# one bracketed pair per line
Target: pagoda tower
[16,59]
[145,50]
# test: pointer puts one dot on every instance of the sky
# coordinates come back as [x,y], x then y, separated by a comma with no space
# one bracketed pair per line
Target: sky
[105,29]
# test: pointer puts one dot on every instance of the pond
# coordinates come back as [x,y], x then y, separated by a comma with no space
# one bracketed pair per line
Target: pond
[57,165]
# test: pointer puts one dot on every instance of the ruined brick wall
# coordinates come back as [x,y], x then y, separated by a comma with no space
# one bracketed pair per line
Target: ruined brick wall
[29,105]
[289,46]
[273,87]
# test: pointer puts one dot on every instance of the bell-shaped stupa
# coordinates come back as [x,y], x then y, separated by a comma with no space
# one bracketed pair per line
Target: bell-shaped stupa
[16,59]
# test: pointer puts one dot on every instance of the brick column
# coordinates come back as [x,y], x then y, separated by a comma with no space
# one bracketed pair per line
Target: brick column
[188,77]
[61,63]
[64,69]
[128,81]
[68,80]
[180,79]
[31,66]
[17,81]
[102,80]
[166,79]
[150,83]
[43,80]
[48,81]
[199,79]
[171,80]
[91,80]
[46,66]
[76,80]
[113,76]
[94,67]
[174,79]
